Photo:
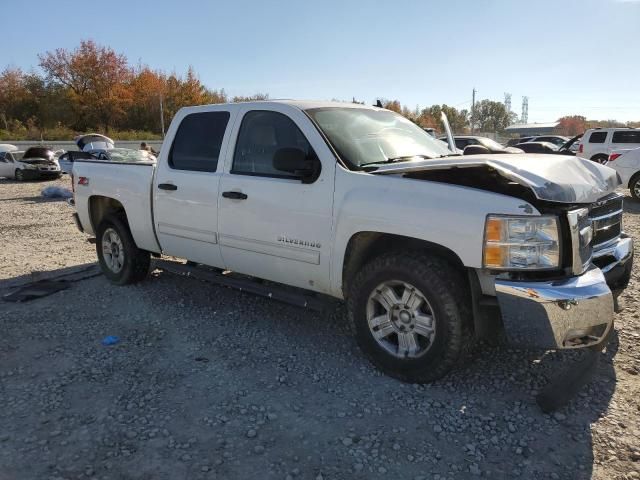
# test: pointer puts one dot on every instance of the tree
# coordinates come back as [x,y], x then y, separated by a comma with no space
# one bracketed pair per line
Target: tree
[490,116]
[572,125]
[431,117]
[97,78]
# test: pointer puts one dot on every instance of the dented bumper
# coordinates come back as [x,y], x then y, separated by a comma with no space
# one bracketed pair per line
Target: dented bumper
[570,313]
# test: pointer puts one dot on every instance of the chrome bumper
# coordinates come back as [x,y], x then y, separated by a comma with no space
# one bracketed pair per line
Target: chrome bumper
[570,313]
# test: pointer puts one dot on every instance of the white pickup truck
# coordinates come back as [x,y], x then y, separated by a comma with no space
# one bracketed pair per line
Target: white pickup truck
[427,247]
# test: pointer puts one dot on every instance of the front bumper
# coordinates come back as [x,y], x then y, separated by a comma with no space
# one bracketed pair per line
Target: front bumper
[568,313]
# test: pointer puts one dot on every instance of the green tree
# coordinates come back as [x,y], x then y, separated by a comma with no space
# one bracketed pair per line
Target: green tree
[490,116]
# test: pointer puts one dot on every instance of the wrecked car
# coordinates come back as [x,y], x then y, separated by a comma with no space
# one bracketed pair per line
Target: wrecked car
[34,163]
[427,247]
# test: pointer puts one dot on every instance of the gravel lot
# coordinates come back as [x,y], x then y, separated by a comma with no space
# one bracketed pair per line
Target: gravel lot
[210,383]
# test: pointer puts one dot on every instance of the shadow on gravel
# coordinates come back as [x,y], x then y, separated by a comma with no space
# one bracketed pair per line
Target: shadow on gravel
[35,276]
[631,205]
[34,199]
[212,383]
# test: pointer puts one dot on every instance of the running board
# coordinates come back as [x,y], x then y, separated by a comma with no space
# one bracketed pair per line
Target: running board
[269,290]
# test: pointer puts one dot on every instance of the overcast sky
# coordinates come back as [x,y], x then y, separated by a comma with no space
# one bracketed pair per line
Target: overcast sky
[569,57]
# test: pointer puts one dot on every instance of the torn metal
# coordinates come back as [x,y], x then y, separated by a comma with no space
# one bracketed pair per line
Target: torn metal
[555,178]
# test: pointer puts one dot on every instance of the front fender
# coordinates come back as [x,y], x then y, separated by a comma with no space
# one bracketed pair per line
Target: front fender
[451,216]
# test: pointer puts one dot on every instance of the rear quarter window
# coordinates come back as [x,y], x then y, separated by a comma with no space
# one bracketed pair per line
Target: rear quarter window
[198,141]
[598,137]
[630,136]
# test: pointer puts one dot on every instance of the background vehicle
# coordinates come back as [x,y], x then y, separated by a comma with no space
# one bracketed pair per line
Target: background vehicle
[34,163]
[627,163]
[557,140]
[515,141]
[463,141]
[598,143]
[537,147]
[67,158]
[427,247]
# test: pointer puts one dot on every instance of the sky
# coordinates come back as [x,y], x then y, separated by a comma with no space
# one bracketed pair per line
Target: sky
[569,57]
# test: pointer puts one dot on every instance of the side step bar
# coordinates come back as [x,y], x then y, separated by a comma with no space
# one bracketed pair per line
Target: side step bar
[245,284]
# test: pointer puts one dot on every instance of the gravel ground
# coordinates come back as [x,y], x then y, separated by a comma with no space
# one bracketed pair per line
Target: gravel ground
[210,383]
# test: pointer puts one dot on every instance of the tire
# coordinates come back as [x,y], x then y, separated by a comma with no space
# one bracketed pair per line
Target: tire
[439,292]
[634,186]
[121,261]
[19,175]
[600,158]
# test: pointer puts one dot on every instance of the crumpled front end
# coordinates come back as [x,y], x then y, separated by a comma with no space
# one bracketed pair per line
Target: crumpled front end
[576,311]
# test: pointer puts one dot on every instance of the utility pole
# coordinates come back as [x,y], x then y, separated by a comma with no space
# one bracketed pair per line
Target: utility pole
[473,109]
[525,110]
[161,117]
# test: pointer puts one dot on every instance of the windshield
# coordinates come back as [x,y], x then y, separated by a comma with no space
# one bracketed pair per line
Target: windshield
[490,144]
[17,155]
[125,155]
[362,136]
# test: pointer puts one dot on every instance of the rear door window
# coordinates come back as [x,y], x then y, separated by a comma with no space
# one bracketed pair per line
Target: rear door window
[598,137]
[198,142]
[626,136]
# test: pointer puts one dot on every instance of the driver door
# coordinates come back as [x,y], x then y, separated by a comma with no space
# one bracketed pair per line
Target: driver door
[272,225]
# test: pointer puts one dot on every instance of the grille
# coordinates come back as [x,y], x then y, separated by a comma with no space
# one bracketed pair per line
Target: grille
[606,218]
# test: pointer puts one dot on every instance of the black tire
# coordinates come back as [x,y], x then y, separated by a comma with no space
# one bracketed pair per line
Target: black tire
[634,186]
[134,264]
[19,175]
[447,294]
[600,158]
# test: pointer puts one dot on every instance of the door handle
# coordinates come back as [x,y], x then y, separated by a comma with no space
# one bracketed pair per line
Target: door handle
[167,186]
[235,195]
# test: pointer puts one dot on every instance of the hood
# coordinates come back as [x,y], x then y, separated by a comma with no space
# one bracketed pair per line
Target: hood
[554,178]
[38,161]
[93,141]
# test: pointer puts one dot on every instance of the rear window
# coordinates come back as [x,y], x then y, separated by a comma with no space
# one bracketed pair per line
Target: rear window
[630,136]
[598,137]
[198,142]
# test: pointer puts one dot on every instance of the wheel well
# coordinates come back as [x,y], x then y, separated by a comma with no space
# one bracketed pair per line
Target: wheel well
[364,246]
[100,206]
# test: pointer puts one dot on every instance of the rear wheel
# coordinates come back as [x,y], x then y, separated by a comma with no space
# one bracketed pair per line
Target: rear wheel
[600,158]
[634,187]
[122,262]
[410,314]
[19,175]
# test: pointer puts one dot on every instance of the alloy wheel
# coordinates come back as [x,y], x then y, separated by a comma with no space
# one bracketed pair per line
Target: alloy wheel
[113,250]
[401,319]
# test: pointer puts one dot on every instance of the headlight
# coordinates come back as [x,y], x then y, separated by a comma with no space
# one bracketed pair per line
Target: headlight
[30,167]
[521,243]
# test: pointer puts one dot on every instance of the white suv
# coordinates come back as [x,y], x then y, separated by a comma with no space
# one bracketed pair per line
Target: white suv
[597,143]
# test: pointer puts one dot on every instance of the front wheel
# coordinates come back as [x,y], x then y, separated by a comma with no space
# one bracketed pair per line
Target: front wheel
[121,261]
[19,174]
[411,314]
[634,187]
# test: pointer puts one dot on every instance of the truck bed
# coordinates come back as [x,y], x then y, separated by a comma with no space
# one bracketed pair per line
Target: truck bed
[127,182]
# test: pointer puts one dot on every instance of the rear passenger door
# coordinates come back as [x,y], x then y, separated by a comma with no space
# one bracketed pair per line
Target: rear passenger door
[185,188]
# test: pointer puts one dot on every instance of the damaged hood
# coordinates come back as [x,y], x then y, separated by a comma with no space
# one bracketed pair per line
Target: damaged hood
[38,161]
[554,178]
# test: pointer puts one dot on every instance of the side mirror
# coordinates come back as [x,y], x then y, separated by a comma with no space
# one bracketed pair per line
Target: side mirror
[475,150]
[295,161]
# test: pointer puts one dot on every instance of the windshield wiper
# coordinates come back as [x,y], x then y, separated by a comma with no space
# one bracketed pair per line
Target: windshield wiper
[405,158]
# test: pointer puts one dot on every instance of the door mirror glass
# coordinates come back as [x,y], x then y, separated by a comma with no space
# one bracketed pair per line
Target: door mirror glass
[294,161]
